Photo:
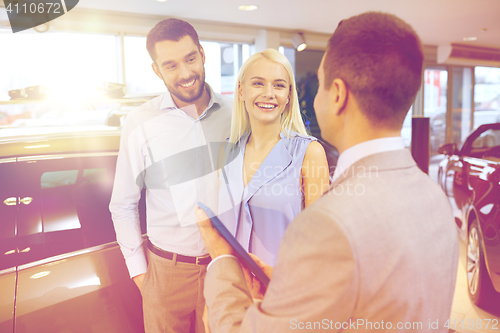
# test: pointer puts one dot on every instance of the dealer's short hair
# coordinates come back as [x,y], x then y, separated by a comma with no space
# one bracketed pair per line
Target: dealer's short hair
[170,29]
[380,59]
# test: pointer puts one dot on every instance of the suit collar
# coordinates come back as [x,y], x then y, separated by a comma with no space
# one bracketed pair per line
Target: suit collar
[364,149]
[385,161]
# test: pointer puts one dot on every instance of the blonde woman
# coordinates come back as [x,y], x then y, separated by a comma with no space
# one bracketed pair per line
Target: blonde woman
[272,168]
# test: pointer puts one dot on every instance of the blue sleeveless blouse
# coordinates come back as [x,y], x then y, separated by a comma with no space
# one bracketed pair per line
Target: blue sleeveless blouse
[258,214]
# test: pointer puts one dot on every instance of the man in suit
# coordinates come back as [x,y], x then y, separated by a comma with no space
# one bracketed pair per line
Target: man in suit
[379,250]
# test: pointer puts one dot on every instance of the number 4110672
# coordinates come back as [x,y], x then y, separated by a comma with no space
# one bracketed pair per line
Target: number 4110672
[33,8]
[472,324]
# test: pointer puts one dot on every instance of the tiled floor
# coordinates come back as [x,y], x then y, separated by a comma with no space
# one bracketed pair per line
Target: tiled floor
[466,315]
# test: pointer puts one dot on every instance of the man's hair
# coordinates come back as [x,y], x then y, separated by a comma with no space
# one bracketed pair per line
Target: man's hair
[380,59]
[170,29]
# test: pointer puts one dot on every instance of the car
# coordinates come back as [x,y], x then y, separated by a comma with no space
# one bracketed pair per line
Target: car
[61,269]
[470,177]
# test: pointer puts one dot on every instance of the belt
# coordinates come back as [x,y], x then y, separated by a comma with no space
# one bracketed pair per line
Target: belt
[204,260]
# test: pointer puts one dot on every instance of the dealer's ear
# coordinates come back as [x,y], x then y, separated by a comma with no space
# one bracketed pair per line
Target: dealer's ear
[339,95]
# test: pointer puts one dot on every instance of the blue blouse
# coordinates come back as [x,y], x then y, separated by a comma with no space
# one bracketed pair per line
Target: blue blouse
[259,213]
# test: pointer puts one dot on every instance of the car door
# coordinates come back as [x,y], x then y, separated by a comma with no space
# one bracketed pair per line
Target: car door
[72,276]
[484,181]
[8,247]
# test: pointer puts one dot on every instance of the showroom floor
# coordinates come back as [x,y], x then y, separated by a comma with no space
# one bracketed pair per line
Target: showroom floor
[464,315]
[463,309]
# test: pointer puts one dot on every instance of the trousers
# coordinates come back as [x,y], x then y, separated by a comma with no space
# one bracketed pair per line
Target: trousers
[172,296]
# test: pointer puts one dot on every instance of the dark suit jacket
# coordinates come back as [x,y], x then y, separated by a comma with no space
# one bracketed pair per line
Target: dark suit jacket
[378,251]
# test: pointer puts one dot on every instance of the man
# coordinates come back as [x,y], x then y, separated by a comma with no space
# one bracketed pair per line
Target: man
[168,146]
[378,251]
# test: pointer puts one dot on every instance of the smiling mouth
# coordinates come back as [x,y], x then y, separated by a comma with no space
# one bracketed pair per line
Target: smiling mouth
[188,84]
[266,106]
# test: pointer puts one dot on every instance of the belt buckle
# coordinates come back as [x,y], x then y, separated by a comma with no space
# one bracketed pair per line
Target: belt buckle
[198,259]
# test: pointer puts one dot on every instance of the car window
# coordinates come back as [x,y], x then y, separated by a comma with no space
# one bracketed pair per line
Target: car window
[488,139]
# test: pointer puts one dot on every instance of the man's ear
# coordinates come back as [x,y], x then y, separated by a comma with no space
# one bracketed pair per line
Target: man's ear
[202,52]
[339,96]
[156,69]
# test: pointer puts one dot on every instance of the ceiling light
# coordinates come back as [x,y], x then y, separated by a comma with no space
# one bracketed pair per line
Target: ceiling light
[161,0]
[469,39]
[248,7]
[299,42]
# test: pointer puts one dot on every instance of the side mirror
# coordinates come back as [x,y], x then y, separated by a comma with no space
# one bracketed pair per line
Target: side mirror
[448,149]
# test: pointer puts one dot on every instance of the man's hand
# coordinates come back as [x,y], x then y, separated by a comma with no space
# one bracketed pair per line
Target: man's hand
[138,280]
[257,289]
[268,270]
[204,318]
[214,242]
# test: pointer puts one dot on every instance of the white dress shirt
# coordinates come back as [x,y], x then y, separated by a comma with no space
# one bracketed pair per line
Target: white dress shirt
[364,149]
[174,156]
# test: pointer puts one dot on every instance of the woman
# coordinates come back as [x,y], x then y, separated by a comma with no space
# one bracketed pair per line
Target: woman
[272,168]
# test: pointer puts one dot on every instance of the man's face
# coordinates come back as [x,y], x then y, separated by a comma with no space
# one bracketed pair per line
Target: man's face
[323,106]
[180,66]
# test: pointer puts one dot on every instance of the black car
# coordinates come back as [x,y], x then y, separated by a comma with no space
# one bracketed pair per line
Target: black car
[61,269]
[471,178]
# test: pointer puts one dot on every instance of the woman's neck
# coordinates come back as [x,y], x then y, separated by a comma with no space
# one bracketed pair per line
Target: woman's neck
[263,136]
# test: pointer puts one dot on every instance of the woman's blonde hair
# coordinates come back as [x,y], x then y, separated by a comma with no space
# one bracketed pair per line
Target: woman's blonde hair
[291,119]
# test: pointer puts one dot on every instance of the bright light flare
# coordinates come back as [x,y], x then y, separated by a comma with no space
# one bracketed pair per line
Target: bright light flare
[40,275]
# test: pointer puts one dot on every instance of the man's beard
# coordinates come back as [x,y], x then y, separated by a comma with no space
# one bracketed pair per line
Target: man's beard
[191,96]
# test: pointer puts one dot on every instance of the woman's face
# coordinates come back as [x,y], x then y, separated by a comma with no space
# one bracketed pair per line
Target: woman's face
[265,91]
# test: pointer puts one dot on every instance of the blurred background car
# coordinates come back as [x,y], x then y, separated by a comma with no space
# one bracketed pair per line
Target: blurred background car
[470,177]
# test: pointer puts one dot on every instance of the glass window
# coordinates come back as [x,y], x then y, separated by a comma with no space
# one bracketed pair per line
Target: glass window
[138,72]
[222,63]
[435,89]
[68,68]
[487,139]
[68,63]
[58,206]
[461,104]
[486,96]
[58,178]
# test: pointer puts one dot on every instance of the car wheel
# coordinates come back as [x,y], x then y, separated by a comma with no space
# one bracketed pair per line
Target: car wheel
[478,280]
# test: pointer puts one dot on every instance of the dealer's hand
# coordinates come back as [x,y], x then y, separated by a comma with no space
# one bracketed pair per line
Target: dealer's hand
[268,270]
[256,288]
[214,242]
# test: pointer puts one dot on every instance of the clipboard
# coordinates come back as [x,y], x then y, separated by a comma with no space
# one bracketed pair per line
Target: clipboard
[240,251]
